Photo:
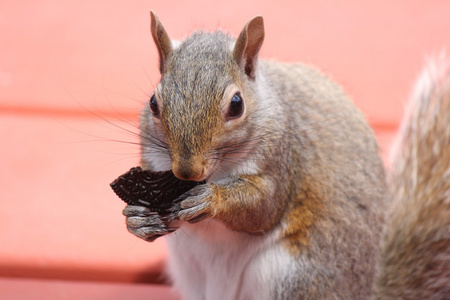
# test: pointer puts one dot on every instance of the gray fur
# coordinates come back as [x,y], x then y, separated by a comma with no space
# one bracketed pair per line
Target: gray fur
[308,187]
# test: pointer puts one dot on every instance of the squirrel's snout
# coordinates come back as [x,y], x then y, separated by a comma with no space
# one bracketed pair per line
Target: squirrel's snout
[188,170]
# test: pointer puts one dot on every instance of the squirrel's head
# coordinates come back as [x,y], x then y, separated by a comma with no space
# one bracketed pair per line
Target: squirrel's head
[201,109]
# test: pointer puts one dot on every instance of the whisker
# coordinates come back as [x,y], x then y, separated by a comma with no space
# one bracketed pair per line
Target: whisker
[148,77]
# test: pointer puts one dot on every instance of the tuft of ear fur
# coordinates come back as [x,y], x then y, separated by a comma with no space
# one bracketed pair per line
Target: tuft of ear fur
[248,44]
[162,41]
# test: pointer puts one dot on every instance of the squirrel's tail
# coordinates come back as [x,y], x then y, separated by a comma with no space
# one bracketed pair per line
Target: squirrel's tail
[415,256]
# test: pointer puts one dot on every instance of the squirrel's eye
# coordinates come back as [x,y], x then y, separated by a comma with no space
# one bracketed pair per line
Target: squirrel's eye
[236,107]
[154,106]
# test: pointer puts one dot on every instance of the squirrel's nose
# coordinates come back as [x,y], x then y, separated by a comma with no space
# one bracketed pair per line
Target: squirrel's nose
[188,170]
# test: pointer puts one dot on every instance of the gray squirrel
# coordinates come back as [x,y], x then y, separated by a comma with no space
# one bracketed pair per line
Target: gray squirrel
[295,204]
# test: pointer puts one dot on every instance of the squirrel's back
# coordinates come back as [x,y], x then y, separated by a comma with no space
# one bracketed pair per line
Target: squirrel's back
[415,261]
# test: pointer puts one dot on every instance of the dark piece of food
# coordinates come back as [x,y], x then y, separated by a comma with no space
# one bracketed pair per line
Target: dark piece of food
[154,190]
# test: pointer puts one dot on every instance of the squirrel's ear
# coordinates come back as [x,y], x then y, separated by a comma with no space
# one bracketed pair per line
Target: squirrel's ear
[162,41]
[248,44]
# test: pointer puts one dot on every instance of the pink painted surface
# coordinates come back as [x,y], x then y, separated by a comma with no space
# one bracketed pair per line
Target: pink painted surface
[26,289]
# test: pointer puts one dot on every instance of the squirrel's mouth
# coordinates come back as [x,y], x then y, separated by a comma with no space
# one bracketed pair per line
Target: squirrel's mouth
[210,171]
[218,171]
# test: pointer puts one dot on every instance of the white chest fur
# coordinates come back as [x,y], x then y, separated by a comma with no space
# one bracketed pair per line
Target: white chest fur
[208,261]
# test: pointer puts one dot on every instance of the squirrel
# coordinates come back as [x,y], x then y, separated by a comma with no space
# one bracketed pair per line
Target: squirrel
[296,198]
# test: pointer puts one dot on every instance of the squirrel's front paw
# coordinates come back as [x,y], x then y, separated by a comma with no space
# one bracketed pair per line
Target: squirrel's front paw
[146,224]
[195,205]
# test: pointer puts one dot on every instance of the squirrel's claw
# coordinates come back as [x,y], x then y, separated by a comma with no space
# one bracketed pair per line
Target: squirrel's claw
[194,205]
[146,224]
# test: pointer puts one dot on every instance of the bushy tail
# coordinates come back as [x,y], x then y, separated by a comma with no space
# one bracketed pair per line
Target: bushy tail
[415,258]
